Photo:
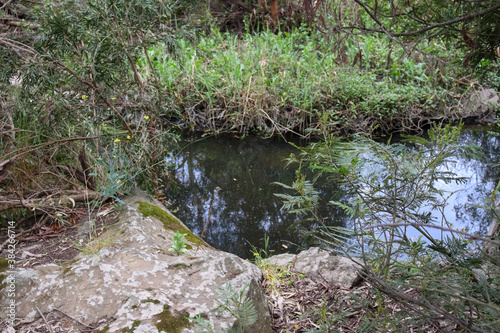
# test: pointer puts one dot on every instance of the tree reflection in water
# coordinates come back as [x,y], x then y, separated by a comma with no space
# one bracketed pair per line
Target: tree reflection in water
[245,209]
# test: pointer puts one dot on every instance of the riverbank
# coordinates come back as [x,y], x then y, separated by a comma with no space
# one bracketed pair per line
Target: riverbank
[271,83]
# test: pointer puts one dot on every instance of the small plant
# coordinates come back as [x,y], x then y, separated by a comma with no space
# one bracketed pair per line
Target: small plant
[235,303]
[395,203]
[238,305]
[276,276]
[178,244]
[94,246]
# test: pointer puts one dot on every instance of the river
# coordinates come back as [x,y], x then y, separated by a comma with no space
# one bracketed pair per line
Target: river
[230,182]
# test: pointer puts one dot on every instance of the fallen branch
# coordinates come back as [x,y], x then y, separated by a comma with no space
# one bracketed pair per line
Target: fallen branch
[45,320]
[25,232]
[50,201]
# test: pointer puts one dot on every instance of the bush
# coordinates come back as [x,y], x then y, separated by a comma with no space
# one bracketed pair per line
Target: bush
[393,194]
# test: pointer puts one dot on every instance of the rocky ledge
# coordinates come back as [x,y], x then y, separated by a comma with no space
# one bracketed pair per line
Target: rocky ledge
[133,282]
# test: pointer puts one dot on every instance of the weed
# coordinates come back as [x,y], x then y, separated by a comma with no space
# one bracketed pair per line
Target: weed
[237,305]
[178,244]
[94,246]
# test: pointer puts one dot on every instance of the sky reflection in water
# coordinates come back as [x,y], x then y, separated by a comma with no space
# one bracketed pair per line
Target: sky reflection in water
[232,179]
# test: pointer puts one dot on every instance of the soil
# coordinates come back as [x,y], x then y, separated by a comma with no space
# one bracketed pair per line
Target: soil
[53,242]
[57,242]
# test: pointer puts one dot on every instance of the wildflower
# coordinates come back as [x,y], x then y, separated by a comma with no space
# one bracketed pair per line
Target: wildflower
[118,181]
[146,117]
[113,98]
[255,254]
[117,140]
[128,137]
[296,326]
[85,96]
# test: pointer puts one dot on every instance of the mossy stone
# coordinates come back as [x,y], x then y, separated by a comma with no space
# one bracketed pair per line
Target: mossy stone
[104,330]
[4,263]
[169,222]
[167,322]
[135,324]
[154,301]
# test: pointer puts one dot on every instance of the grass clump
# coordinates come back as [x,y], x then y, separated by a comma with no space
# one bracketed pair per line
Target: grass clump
[295,82]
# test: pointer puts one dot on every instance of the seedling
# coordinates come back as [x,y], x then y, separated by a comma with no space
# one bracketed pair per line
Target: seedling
[178,244]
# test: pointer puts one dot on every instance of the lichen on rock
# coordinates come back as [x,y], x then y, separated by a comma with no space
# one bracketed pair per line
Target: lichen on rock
[136,281]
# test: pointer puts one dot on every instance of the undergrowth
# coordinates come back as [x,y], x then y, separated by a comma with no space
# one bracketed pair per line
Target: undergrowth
[297,81]
[426,281]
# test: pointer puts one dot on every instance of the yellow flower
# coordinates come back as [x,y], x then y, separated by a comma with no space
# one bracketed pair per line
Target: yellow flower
[146,117]
[296,326]
[113,98]
[255,254]
[85,96]
[117,140]
[118,181]
[128,137]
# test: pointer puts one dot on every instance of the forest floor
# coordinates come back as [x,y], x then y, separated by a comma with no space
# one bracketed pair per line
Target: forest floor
[299,304]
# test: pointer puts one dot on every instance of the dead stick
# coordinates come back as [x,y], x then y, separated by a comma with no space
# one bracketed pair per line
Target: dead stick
[45,320]
[49,201]
[79,322]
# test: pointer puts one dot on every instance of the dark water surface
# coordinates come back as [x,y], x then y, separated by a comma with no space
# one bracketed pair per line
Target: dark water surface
[230,181]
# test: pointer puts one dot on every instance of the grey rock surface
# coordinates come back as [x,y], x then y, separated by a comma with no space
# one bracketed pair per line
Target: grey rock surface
[482,103]
[314,262]
[135,280]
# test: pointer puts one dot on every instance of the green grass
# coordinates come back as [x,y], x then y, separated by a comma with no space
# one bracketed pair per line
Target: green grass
[288,80]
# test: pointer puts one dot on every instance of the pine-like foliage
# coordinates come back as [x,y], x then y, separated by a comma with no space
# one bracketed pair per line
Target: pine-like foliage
[394,188]
[239,306]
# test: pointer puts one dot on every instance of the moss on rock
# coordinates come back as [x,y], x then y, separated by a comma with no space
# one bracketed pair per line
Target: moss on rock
[135,324]
[169,221]
[4,263]
[166,321]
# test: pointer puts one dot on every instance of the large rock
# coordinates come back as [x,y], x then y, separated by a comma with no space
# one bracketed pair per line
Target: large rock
[137,282]
[481,104]
[314,262]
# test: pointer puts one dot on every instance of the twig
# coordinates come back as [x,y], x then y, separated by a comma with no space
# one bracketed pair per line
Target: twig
[35,227]
[5,5]
[429,27]
[45,320]
[25,150]
[417,225]
[79,322]
[48,201]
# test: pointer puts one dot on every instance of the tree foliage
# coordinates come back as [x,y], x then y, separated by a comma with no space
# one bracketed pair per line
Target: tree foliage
[396,206]
[472,25]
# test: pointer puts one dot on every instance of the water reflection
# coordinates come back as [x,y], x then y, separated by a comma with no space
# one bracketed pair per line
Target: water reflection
[244,209]
[464,209]
[230,181]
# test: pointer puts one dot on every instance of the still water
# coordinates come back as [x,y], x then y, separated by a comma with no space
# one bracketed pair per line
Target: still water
[229,182]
